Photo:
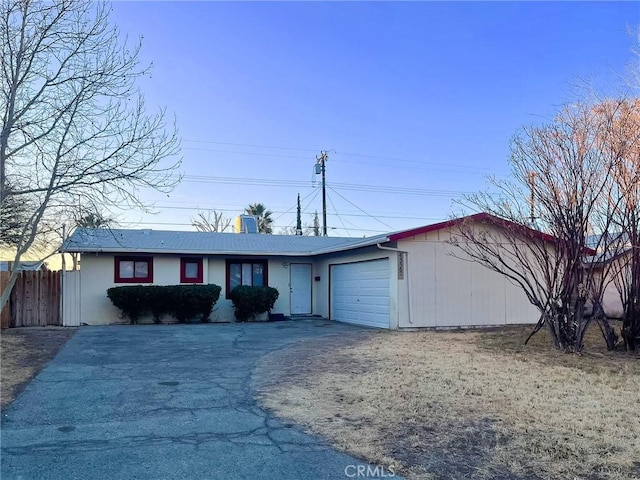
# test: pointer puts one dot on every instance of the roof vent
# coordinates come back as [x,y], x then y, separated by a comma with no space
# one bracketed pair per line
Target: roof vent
[247,224]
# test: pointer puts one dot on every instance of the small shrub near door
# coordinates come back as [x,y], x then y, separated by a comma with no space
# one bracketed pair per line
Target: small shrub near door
[184,302]
[249,302]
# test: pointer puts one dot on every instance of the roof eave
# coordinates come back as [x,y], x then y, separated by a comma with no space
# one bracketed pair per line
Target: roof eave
[182,252]
[322,251]
[344,248]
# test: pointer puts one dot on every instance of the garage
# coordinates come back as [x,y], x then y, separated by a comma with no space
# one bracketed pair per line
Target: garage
[360,293]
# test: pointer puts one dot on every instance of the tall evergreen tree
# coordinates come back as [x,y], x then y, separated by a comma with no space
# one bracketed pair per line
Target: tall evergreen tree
[316,225]
[299,219]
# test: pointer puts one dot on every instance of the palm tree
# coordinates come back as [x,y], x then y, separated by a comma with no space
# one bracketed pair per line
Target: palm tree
[264,216]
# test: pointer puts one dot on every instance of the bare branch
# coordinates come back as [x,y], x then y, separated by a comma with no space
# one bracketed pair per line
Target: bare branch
[562,263]
[204,223]
[75,126]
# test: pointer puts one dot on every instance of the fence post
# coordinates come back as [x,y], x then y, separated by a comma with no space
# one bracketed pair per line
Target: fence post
[4,315]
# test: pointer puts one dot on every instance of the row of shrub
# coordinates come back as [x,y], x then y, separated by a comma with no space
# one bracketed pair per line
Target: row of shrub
[188,302]
[183,302]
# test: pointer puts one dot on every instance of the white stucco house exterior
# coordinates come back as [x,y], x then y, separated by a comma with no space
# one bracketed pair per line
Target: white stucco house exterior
[400,280]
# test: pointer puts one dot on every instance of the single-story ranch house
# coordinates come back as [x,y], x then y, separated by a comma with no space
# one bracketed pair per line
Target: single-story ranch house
[406,279]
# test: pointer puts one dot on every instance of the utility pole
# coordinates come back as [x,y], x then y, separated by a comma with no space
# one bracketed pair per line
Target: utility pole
[320,168]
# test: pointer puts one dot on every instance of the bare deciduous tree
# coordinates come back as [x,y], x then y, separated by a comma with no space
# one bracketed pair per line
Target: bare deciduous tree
[304,230]
[621,142]
[561,174]
[204,223]
[74,122]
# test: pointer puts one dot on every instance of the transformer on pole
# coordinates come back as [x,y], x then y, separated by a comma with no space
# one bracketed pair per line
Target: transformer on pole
[320,169]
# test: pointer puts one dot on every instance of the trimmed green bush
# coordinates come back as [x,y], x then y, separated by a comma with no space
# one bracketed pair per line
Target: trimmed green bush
[157,300]
[184,302]
[248,301]
[190,301]
[129,300]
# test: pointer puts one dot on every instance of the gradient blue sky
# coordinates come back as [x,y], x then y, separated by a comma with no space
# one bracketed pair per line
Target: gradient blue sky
[415,102]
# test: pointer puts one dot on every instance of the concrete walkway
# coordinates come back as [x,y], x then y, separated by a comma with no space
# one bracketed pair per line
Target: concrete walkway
[163,402]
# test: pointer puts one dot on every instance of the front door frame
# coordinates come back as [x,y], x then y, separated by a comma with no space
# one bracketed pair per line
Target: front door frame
[291,287]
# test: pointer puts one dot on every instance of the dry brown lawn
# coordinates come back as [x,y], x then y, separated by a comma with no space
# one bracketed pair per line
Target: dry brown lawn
[466,404]
[24,352]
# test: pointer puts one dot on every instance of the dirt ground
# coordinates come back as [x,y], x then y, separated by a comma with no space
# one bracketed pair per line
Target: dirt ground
[24,352]
[473,404]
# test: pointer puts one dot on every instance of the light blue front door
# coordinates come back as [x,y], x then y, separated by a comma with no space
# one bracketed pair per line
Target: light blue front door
[300,287]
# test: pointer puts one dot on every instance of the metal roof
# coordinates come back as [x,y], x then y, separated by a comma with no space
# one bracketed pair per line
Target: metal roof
[8,265]
[476,217]
[208,243]
[211,243]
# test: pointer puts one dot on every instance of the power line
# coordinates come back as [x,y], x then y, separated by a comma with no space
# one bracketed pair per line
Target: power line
[396,190]
[253,146]
[353,204]
[274,226]
[256,154]
[432,167]
[295,205]
[303,209]
[266,182]
[395,160]
[419,164]
[281,213]
[339,217]
[244,181]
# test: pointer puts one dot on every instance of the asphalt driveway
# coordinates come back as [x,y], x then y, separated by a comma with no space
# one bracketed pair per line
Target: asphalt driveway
[164,402]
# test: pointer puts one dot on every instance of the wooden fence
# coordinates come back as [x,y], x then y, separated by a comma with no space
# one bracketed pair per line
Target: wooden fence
[35,299]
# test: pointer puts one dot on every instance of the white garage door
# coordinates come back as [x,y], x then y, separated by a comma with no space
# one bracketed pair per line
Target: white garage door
[360,293]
